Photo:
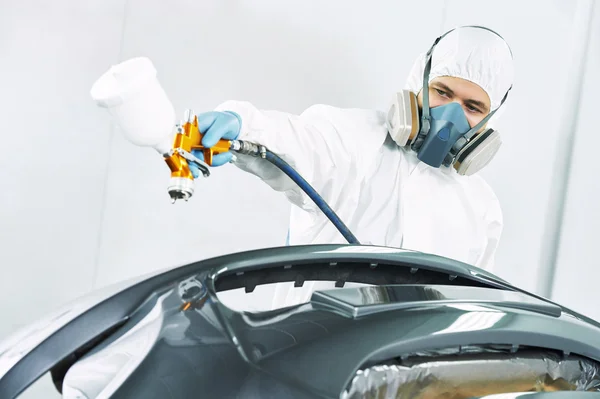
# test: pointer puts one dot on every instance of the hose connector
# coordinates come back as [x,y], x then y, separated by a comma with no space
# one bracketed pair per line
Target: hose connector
[245,147]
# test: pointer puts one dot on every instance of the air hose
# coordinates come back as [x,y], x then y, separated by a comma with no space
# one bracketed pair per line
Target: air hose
[244,147]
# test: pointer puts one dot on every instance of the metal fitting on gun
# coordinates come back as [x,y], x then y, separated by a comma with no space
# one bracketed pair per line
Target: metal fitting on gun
[245,147]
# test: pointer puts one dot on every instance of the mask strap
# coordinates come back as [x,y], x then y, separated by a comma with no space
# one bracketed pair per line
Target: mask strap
[474,130]
[426,118]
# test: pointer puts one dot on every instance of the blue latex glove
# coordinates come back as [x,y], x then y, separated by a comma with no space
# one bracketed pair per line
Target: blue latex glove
[215,126]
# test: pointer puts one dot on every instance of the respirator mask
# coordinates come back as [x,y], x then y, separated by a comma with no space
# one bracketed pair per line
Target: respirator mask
[442,135]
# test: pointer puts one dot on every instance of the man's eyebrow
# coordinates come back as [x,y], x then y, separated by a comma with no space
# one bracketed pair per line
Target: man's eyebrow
[478,104]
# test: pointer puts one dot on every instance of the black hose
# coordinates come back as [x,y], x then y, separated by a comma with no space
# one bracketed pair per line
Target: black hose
[307,188]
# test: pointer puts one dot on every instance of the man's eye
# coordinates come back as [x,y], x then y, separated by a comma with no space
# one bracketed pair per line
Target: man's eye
[473,110]
[441,93]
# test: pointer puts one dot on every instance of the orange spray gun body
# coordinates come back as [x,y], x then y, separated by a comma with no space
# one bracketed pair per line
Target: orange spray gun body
[188,138]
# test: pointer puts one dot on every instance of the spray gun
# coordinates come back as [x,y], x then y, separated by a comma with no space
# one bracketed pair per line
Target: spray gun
[188,138]
[140,107]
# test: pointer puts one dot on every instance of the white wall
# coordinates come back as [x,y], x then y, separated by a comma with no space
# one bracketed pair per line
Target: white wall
[578,272]
[55,151]
[83,208]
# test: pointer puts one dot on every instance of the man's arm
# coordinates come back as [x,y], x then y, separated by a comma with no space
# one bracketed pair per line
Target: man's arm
[321,145]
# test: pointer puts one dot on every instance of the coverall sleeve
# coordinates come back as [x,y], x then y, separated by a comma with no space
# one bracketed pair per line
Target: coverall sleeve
[316,146]
[494,225]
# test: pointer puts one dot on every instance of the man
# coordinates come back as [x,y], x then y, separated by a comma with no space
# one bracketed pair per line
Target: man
[382,191]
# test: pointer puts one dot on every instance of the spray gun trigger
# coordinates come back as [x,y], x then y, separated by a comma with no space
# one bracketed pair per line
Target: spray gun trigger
[202,166]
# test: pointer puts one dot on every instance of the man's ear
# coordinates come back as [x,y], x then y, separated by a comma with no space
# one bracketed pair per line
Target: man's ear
[483,128]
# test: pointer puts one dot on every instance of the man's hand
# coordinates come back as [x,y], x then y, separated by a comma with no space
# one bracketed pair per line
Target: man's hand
[215,125]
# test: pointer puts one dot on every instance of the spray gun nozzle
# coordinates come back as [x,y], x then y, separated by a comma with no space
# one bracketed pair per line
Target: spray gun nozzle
[181,159]
[180,189]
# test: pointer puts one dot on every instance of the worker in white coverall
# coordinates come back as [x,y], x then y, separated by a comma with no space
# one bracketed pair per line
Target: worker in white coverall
[381,190]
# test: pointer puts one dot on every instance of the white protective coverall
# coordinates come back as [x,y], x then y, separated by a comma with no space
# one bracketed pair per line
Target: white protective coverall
[381,191]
